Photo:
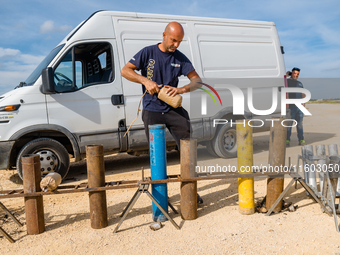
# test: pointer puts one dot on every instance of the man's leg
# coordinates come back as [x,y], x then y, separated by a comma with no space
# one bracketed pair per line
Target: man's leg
[289,129]
[299,127]
[151,118]
[178,123]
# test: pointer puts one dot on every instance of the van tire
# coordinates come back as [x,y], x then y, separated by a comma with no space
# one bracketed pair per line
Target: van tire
[52,153]
[210,148]
[224,142]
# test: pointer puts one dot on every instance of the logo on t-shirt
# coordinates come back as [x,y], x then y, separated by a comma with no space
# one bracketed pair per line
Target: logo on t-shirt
[150,68]
[175,65]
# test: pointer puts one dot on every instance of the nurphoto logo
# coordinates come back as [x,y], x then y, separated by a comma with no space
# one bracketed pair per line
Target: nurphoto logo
[238,100]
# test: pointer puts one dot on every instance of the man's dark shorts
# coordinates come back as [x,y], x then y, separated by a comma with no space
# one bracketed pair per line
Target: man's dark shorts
[176,120]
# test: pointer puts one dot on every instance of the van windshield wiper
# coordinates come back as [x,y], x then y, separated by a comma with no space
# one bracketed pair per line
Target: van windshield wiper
[21,84]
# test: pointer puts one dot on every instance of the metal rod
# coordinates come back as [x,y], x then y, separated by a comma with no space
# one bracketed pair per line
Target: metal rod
[143,188]
[188,188]
[67,189]
[128,208]
[332,198]
[34,207]
[333,151]
[310,191]
[280,197]
[10,214]
[59,192]
[162,209]
[321,151]
[96,178]
[305,165]
[172,208]
[312,174]
[128,205]
[277,153]
[142,173]
[8,237]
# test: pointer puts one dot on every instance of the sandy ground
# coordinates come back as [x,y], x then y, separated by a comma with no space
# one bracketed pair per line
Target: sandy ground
[219,228]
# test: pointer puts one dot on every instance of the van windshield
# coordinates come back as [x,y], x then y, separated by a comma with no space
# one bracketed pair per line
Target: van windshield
[37,72]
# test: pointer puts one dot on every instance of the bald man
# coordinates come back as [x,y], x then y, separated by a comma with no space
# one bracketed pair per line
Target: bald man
[162,64]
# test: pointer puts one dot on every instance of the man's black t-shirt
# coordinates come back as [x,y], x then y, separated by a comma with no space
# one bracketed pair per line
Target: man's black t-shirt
[163,68]
[292,83]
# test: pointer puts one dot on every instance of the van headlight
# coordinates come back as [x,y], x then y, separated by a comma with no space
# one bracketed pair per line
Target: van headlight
[9,108]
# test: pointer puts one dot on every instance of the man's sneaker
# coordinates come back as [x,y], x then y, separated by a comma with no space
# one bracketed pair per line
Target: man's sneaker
[287,142]
[302,142]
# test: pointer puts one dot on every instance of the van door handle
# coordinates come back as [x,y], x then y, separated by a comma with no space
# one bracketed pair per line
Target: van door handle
[117,99]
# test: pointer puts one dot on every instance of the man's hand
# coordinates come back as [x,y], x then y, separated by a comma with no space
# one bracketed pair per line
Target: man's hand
[129,73]
[172,91]
[151,86]
[195,81]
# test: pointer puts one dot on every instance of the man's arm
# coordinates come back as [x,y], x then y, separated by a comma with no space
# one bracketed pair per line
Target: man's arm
[129,72]
[194,83]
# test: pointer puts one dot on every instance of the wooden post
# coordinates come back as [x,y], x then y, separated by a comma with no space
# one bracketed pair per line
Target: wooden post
[277,154]
[96,178]
[34,207]
[188,189]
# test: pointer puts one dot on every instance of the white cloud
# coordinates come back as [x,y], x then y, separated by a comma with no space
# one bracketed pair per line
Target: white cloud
[48,26]
[8,55]
[8,52]
[15,67]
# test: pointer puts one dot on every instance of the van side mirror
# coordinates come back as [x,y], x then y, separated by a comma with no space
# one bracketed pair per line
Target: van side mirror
[47,81]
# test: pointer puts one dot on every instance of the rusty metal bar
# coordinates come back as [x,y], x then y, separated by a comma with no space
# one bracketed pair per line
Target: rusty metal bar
[96,178]
[277,154]
[142,188]
[188,188]
[296,177]
[58,192]
[3,207]
[133,184]
[8,237]
[162,209]
[34,207]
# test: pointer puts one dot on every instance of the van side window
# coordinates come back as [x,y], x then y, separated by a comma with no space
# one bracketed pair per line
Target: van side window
[63,74]
[92,63]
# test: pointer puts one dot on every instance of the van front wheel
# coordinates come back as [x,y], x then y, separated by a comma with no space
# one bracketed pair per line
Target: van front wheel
[224,143]
[53,156]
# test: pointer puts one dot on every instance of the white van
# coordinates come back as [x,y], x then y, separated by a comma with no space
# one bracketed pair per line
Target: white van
[77,97]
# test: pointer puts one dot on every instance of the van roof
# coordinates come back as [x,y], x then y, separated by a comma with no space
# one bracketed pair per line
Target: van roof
[165,17]
[178,17]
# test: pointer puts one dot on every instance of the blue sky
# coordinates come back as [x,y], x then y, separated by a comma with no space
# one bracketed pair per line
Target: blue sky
[308,29]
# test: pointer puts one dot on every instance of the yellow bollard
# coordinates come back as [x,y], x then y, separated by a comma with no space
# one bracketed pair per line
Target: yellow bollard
[244,138]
